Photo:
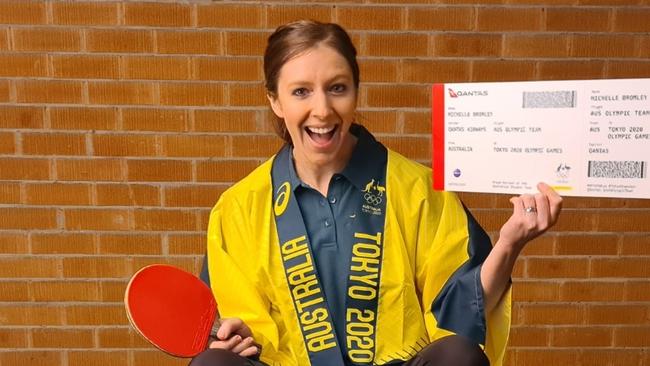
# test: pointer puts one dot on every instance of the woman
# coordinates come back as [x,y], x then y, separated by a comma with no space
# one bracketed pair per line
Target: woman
[336,251]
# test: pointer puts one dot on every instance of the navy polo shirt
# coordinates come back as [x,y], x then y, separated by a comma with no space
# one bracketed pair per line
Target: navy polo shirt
[330,221]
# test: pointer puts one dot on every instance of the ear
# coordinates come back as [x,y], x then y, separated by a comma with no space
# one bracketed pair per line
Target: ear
[275,105]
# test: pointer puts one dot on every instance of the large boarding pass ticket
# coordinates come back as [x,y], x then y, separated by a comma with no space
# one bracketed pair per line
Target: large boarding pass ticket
[582,137]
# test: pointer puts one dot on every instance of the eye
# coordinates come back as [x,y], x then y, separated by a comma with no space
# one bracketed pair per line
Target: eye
[300,92]
[338,88]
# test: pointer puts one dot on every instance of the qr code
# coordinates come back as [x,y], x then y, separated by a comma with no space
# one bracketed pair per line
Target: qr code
[549,99]
[617,169]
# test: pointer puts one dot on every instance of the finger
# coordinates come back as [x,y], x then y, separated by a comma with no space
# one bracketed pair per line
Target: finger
[243,345]
[250,351]
[554,199]
[228,344]
[517,205]
[228,327]
[529,201]
[541,202]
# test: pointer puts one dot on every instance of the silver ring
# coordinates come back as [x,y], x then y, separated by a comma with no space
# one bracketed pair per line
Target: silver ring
[530,209]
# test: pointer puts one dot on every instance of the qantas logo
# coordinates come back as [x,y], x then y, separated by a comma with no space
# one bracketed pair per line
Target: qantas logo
[470,93]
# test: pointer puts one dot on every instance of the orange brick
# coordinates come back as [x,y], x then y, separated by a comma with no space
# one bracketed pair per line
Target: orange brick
[14,291]
[14,314]
[509,19]
[631,19]
[466,45]
[581,337]
[158,14]
[378,121]
[417,122]
[140,244]
[194,94]
[9,192]
[20,267]
[193,196]
[633,336]
[121,92]
[12,243]
[399,96]
[189,42]
[13,338]
[96,267]
[529,337]
[113,290]
[230,16]
[95,314]
[127,195]
[233,68]
[22,12]
[165,220]
[28,218]
[85,13]
[543,245]
[54,144]
[541,357]
[603,46]
[553,314]
[435,71]
[119,40]
[7,143]
[587,245]
[503,70]
[89,170]
[577,19]
[255,146]
[62,338]
[85,67]
[635,244]
[617,314]
[557,267]
[534,291]
[621,267]
[209,120]
[370,17]
[569,69]
[194,146]
[247,95]
[57,194]
[23,65]
[97,219]
[159,170]
[539,45]
[50,91]
[226,171]
[611,356]
[32,358]
[125,145]
[246,43]
[475,200]
[186,263]
[147,119]
[281,14]
[156,68]
[46,39]
[373,70]
[637,290]
[189,243]
[82,118]
[56,291]
[5,92]
[120,338]
[4,40]
[62,243]
[592,291]
[395,45]
[411,147]
[154,357]
[440,19]
[628,221]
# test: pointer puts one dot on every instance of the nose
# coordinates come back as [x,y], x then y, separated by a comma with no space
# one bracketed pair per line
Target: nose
[321,106]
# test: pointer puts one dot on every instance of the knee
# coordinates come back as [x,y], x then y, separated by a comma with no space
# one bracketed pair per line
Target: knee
[215,357]
[454,351]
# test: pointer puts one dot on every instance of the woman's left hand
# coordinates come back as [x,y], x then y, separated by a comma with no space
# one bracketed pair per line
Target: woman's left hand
[532,216]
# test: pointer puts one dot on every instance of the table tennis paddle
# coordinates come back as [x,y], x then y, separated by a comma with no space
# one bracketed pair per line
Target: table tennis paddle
[172,309]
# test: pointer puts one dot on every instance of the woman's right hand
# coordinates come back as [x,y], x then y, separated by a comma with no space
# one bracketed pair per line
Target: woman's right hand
[234,335]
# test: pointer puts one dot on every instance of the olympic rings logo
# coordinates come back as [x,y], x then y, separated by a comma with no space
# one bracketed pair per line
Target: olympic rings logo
[372,199]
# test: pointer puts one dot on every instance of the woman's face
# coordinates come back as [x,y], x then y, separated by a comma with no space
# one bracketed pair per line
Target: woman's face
[317,98]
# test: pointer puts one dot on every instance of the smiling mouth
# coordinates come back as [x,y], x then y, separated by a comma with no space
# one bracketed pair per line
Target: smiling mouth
[321,135]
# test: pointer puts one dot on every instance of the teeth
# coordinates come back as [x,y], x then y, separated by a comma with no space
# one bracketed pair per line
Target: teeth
[322,130]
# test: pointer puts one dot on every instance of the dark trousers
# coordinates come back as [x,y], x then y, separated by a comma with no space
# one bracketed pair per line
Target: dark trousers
[448,351]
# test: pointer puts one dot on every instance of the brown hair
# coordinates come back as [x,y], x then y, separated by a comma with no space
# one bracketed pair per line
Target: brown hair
[291,40]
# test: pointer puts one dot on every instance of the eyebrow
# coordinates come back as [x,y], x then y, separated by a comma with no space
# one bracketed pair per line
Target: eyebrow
[330,80]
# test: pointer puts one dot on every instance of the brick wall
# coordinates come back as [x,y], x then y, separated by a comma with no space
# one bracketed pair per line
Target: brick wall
[122,122]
